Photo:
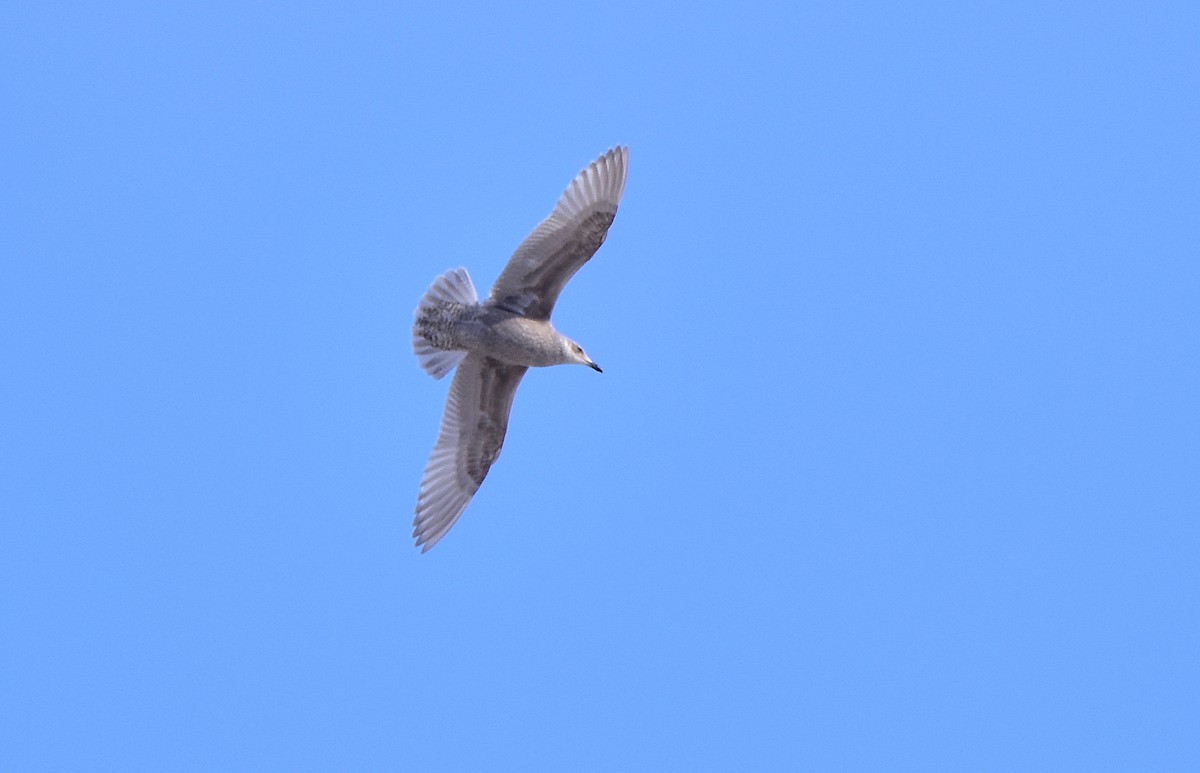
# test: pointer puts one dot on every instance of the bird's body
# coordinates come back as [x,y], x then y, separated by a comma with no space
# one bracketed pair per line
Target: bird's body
[502,334]
[492,343]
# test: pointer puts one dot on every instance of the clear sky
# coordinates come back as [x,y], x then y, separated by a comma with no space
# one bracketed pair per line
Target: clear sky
[893,464]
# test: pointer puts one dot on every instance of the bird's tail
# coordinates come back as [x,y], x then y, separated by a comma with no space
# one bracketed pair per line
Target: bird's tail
[452,287]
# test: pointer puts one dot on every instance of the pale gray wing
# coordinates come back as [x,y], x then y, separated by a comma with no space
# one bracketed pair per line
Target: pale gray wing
[470,439]
[564,241]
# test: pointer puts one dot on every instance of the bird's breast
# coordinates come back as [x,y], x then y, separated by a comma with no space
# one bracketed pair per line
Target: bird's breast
[519,341]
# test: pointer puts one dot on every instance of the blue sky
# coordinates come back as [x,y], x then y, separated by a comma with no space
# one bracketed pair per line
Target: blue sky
[893,464]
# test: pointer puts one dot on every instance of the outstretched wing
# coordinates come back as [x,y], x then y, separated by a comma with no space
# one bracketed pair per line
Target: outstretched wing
[564,241]
[470,439]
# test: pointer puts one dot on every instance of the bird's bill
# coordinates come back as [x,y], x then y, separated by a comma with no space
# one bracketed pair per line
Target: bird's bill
[594,366]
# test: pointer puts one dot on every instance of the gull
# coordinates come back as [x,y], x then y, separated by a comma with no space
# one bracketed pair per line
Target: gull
[493,342]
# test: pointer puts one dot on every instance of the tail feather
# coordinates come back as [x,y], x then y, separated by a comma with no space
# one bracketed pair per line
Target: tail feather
[454,286]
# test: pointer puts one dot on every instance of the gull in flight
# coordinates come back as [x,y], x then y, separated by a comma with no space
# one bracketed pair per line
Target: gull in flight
[494,341]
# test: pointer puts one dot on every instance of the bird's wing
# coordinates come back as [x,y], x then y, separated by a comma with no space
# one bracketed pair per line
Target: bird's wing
[564,241]
[470,439]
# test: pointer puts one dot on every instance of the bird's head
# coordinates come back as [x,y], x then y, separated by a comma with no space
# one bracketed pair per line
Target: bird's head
[575,354]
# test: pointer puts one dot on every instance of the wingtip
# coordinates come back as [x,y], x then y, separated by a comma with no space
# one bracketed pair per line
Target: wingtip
[423,542]
[601,180]
[618,157]
[617,154]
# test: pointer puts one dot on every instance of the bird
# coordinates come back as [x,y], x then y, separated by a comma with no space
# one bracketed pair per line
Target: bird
[490,344]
